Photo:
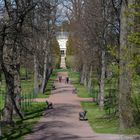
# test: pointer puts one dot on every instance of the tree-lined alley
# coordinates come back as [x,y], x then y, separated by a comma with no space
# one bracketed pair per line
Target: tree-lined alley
[103,47]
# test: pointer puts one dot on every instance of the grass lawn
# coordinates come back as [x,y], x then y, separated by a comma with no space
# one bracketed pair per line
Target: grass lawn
[25,126]
[97,118]
[49,85]
[32,110]
[102,124]
[27,89]
[1,101]
[81,90]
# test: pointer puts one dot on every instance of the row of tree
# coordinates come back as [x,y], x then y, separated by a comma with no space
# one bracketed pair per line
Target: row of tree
[103,46]
[27,37]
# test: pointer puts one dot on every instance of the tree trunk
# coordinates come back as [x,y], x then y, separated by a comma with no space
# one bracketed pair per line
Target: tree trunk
[11,70]
[36,84]
[0,76]
[85,78]
[12,100]
[90,80]
[125,110]
[47,70]
[1,49]
[8,108]
[13,93]
[82,77]
[102,80]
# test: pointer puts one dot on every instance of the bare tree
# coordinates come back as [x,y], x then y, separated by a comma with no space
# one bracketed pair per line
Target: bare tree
[125,77]
[17,34]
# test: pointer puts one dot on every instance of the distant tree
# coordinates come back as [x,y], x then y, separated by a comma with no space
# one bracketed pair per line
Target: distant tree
[70,47]
[55,51]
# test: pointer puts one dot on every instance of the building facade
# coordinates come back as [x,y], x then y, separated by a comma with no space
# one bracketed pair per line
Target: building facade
[62,38]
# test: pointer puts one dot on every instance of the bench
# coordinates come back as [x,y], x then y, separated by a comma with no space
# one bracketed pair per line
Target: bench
[82,116]
[49,105]
[53,87]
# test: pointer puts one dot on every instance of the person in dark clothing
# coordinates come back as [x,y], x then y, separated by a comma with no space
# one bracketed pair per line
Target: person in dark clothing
[67,80]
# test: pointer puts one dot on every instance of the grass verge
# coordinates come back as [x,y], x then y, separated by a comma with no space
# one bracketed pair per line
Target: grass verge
[100,123]
[82,92]
[97,118]
[49,85]
[24,127]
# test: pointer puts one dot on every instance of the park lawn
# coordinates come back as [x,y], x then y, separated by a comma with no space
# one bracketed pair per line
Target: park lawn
[82,92]
[25,126]
[29,84]
[97,118]
[27,89]
[100,123]
[49,85]
[2,98]
[32,110]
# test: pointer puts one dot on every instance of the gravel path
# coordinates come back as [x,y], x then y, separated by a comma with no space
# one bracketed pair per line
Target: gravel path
[62,122]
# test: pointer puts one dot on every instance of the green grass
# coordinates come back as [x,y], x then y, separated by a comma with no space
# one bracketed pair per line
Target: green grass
[98,120]
[45,95]
[2,99]
[28,85]
[27,88]
[100,123]
[96,117]
[49,85]
[25,126]
[32,111]
[82,92]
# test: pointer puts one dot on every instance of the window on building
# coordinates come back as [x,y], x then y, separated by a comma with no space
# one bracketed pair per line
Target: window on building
[62,52]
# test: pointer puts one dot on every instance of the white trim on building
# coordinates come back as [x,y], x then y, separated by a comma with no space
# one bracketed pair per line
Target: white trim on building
[62,38]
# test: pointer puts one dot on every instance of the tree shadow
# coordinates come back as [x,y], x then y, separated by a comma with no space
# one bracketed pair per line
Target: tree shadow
[53,130]
[61,110]
[22,127]
[61,90]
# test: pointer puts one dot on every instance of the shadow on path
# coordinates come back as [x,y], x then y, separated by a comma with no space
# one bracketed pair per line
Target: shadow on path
[62,122]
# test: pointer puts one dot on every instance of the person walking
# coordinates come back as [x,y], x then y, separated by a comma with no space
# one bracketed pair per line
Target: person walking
[67,80]
[60,79]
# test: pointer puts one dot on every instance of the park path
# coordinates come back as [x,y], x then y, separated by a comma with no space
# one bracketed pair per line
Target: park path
[62,122]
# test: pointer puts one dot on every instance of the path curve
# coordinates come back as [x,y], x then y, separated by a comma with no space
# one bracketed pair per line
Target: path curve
[62,122]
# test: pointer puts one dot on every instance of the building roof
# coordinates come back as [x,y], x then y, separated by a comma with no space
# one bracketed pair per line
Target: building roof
[62,38]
